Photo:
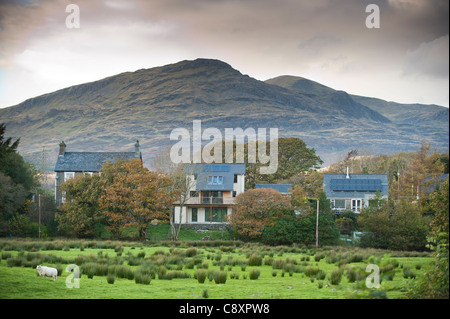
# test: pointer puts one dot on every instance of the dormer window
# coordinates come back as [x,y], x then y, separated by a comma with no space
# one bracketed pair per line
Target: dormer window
[215,180]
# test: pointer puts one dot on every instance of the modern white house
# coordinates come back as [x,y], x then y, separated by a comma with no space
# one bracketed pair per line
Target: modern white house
[354,191]
[212,191]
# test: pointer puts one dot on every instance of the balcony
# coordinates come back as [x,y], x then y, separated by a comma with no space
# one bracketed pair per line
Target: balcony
[210,201]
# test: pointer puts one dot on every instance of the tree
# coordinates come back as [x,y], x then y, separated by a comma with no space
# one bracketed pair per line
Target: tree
[300,199]
[420,175]
[134,196]
[397,225]
[181,185]
[294,157]
[5,145]
[328,230]
[255,209]
[17,179]
[80,213]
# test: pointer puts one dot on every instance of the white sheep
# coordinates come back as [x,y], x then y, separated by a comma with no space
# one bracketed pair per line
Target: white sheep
[47,271]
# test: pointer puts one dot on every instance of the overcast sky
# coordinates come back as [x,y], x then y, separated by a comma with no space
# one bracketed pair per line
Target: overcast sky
[405,60]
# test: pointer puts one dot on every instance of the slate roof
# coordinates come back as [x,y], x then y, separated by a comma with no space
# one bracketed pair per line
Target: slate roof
[227,171]
[88,161]
[282,188]
[339,186]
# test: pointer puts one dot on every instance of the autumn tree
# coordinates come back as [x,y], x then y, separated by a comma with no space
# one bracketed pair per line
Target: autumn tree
[134,196]
[255,209]
[421,173]
[300,199]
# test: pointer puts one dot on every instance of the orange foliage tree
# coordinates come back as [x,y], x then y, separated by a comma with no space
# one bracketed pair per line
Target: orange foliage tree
[255,209]
[133,196]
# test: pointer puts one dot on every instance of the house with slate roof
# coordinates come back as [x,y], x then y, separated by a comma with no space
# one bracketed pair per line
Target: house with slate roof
[354,191]
[71,164]
[212,191]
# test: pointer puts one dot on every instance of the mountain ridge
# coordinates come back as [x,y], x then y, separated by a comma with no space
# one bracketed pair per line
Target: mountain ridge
[111,113]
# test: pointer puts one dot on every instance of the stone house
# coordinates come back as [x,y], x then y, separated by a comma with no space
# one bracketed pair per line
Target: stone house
[71,164]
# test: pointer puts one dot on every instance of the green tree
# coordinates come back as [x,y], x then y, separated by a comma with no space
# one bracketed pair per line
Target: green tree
[20,226]
[17,179]
[80,213]
[294,157]
[328,230]
[435,282]
[397,225]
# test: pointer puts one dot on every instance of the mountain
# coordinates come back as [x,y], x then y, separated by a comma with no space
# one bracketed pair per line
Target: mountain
[112,113]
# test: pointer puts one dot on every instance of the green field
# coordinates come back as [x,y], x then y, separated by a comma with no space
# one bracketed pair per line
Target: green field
[285,271]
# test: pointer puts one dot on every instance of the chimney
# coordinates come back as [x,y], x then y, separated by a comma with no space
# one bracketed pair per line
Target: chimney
[62,148]
[137,153]
[348,176]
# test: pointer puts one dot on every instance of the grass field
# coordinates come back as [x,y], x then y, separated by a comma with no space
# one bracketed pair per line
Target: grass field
[111,270]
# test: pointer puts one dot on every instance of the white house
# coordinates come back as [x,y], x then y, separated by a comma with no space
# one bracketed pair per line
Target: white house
[354,191]
[213,188]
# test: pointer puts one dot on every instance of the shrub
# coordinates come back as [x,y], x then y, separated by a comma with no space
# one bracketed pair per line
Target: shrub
[255,260]
[201,276]
[335,277]
[321,275]
[220,277]
[408,273]
[254,274]
[205,293]
[191,252]
[355,274]
[140,277]
[311,271]
[319,256]
[141,254]
[6,255]
[110,278]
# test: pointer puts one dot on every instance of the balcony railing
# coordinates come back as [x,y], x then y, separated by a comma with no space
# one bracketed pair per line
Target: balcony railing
[212,200]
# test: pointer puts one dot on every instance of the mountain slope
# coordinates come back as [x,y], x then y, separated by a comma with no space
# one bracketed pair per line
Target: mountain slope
[110,114]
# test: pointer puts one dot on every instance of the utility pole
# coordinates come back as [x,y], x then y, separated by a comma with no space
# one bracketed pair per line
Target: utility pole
[317,225]
[39,200]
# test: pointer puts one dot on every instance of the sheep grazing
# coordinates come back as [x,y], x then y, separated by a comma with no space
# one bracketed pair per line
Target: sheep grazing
[47,271]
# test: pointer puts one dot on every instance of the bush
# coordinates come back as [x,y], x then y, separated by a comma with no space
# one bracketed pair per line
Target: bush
[335,277]
[254,274]
[110,278]
[141,277]
[319,256]
[220,277]
[191,252]
[255,260]
[311,271]
[408,273]
[355,274]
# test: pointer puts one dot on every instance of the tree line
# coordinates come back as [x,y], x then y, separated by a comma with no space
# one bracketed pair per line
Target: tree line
[127,197]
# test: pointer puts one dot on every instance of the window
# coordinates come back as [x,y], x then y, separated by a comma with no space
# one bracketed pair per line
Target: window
[216,214]
[215,180]
[194,215]
[338,203]
[69,175]
[235,178]
[212,197]
[194,193]
[356,204]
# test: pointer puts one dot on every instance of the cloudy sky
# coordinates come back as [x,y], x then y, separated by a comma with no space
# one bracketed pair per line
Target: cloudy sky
[405,60]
